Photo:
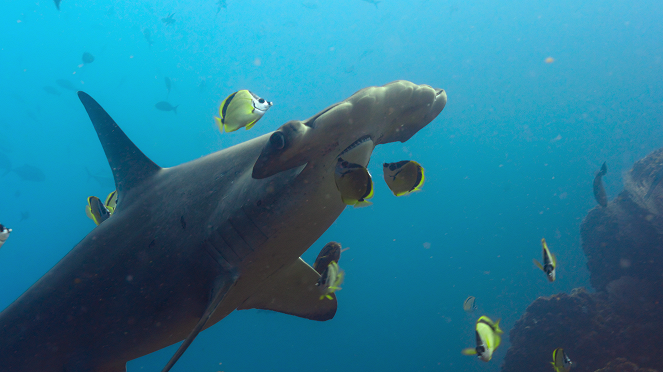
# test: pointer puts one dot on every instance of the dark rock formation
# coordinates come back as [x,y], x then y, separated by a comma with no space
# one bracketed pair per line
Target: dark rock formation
[573,322]
[623,243]
[626,238]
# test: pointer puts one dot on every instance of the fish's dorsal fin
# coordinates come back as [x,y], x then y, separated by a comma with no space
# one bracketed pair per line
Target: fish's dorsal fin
[129,165]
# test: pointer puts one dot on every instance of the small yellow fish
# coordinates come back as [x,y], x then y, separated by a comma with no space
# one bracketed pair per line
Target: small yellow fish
[561,362]
[403,177]
[96,210]
[241,109]
[487,338]
[549,262]
[4,234]
[354,182]
[330,281]
[111,202]
[469,306]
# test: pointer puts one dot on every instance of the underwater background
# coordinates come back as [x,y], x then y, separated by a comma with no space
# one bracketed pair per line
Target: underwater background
[509,161]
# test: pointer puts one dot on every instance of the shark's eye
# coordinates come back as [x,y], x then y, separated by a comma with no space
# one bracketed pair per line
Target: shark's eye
[277,140]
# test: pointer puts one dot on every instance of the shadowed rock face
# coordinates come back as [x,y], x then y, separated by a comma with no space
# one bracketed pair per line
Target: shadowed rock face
[626,237]
[623,365]
[573,322]
[624,247]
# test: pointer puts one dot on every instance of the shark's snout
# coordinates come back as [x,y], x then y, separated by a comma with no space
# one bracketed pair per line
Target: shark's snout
[391,113]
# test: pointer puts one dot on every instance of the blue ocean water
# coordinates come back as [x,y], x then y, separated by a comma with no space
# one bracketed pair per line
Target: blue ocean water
[510,160]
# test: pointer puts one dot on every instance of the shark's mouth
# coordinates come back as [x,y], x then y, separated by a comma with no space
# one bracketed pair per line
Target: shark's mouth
[359,152]
[354,144]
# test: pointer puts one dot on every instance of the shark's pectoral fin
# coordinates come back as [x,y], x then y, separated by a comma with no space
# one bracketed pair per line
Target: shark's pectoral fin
[129,165]
[292,290]
[221,288]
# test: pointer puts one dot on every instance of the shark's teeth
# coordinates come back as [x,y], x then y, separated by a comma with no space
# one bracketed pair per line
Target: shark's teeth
[355,144]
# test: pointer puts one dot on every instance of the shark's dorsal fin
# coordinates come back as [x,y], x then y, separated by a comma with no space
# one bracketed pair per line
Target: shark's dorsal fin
[129,165]
[292,290]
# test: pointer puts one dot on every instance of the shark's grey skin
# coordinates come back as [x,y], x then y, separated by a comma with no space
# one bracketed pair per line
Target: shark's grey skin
[188,245]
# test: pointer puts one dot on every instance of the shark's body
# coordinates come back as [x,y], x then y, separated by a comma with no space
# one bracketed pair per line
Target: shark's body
[188,245]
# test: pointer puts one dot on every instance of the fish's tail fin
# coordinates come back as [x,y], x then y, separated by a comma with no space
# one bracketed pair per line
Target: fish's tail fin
[469,351]
[498,330]
[363,203]
[538,264]
[219,123]
[604,169]
[175,109]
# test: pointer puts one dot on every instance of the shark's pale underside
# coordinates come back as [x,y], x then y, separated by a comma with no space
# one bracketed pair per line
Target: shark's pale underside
[187,245]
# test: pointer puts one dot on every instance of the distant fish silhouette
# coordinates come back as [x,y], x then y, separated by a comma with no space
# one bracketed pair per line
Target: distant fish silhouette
[221,4]
[66,84]
[24,216]
[52,90]
[599,191]
[374,2]
[57,3]
[106,182]
[29,113]
[30,173]
[168,84]
[87,58]
[165,106]
[148,36]
[168,20]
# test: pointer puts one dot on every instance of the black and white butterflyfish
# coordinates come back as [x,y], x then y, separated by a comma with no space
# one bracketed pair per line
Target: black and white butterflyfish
[561,362]
[331,252]
[488,339]
[96,210]
[469,305]
[4,234]
[549,262]
[403,177]
[241,109]
[354,182]
[111,202]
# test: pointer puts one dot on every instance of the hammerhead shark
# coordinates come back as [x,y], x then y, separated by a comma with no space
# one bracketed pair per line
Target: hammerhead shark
[188,245]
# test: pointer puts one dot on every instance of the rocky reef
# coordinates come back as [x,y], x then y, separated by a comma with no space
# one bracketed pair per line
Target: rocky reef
[623,365]
[622,323]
